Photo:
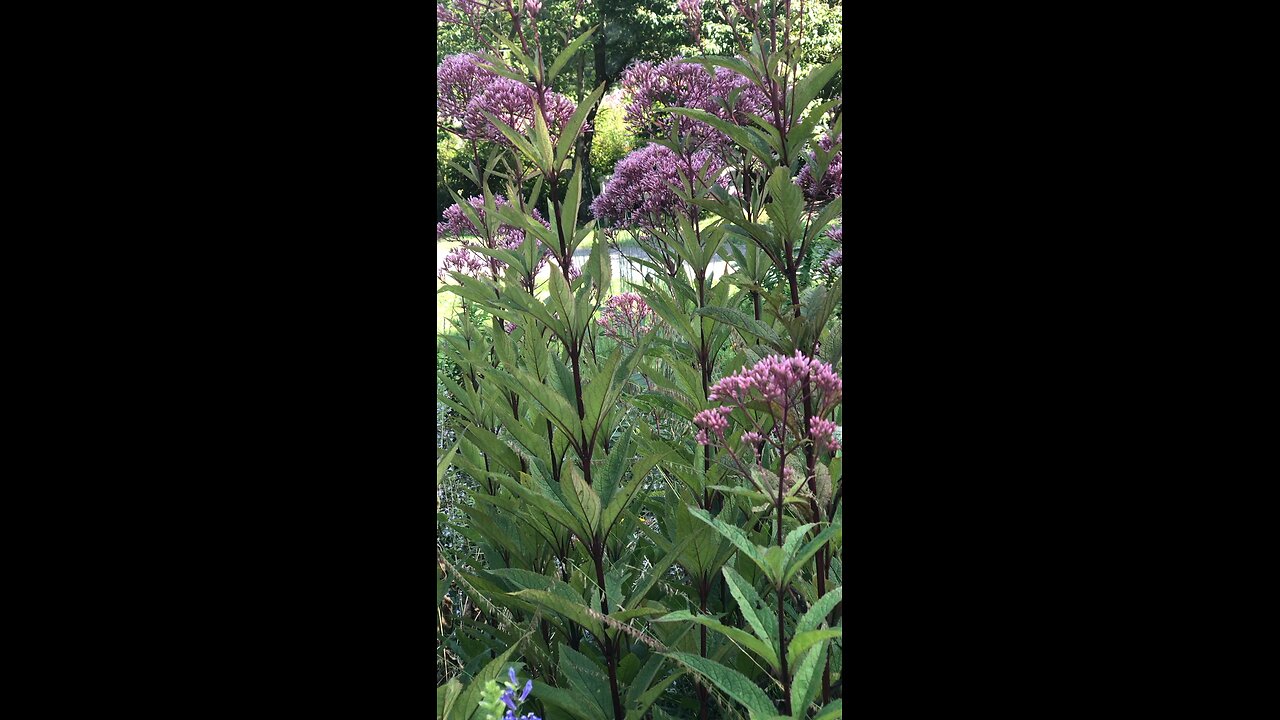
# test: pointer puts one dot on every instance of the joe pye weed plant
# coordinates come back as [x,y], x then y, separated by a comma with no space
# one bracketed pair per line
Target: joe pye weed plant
[653,479]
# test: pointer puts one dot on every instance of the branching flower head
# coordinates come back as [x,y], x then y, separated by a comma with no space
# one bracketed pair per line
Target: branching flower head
[459,79]
[642,190]
[831,183]
[626,317]
[512,102]
[779,382]
[649,89]
[458,226]
[692,10]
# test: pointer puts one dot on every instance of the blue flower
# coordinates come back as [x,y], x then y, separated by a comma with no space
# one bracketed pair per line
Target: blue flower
[506,698]
[527,687]
[511,673]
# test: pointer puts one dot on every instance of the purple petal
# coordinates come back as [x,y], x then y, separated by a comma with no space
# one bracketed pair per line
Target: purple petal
[506,698]
[527,687]
[511,673]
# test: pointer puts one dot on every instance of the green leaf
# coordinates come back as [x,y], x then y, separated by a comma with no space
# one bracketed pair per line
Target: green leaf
[447,698]
[818,612]
[582,499]
[832,532]
[575,611]
[733,535]
[570,133]
[762,619]
[444,463]
[730,681]
[740,320]
[805,678]
[746,137]
[516,138]
[812,84]
[570,50]
[470,698]
[623,496]
[542,139]
[807,639]
[566,701]
[743,638]
[833,710]
[587,678]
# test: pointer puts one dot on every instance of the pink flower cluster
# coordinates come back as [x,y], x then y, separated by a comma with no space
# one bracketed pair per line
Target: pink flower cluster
[626,317]
[641,192]
[779,381]
[716,420]
[466,90]
[832,181]
[823,434]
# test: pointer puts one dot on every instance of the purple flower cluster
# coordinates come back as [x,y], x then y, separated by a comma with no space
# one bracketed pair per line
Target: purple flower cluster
[836,233]
[830,185]
[692,10]
[467,91]
[626,317]
[458,226]
[512,702]
[648,88]
[641,192]
[459,79]
[512,102]
[443,15]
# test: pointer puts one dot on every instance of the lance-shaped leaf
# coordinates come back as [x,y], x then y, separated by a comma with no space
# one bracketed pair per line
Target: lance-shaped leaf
[809,87]
[831,533]
[544,501]
[566,701]
[493,447]
[818,612]
[470,697]
[735,536]
[623,496]
[575,611]
[831,711]
[762,619]
[570,133]
[563,58]
[655,573]
[743,638]
[806,674]
[807,639]
[516,138]
[730,681]
[746,137]
[582,499]
[637,706]
[748,325]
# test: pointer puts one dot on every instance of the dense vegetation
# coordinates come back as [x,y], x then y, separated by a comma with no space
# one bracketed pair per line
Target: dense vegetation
[639,491]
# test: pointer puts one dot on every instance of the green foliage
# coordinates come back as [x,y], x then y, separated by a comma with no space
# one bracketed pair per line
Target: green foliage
[632,570]
[612,141]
